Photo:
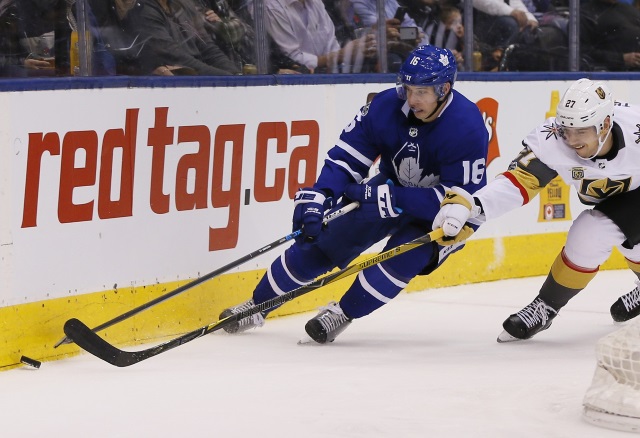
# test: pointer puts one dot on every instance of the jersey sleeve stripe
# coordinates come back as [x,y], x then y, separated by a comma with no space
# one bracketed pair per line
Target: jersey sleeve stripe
[525,182]
[354,153]
[440,191]
[355,175]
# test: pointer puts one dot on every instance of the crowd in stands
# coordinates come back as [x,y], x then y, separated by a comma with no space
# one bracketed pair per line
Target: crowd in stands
[218,37]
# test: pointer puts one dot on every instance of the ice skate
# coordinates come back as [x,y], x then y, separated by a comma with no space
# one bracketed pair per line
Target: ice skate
[253,321]
[627,306]
[534,318]
[327,324]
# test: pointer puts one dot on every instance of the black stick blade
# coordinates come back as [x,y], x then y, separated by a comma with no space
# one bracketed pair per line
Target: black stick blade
[89,341]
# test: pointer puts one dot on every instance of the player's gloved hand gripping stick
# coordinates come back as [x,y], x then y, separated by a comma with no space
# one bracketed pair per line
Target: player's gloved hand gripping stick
[376,197]
[457,207]
[327,218]
[84,337]
[308,212]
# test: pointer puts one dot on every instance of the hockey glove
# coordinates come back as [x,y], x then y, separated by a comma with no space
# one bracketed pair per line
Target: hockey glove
[456,208]
[308,213]
[375,200]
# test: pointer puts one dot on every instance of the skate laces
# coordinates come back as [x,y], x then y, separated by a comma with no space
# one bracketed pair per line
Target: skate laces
[536,312]
[331,317]
[632,299]
[256,319]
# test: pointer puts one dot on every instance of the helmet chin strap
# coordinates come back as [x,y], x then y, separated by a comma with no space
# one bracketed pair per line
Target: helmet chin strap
[438,105]
[600,144]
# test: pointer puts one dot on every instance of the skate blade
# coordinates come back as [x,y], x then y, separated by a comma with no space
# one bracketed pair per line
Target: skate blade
[506,337]
[307,340]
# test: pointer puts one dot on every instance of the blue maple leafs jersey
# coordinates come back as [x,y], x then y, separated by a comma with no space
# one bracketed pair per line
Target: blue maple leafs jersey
[422,159]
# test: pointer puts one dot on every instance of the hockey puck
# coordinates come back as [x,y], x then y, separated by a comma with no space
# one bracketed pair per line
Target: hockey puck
[31,362]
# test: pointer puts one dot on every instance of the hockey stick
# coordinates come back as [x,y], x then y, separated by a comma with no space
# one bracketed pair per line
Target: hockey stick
[328,218]
[88,340]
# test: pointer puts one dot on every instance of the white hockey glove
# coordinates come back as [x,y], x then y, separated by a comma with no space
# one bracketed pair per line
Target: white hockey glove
[457,207]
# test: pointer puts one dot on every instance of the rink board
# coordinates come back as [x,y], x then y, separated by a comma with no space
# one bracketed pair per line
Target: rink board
[104,210]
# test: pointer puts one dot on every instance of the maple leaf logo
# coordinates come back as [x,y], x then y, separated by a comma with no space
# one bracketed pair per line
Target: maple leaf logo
[408,170]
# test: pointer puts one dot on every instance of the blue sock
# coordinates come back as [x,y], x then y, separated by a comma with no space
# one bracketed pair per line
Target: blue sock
[277,281]
[293,269]
[373,288]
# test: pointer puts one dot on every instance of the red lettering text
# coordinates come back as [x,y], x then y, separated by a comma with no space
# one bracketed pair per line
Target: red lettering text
[227,237]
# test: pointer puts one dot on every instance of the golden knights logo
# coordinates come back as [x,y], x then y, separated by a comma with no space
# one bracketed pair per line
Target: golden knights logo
[603,188]
[552,130]
[577,173]
[600,92]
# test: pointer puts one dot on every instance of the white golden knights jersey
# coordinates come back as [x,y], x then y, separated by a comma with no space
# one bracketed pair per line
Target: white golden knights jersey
[545,155]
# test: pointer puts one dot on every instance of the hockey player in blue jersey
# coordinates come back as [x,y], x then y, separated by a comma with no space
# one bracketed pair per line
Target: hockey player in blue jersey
[428,138]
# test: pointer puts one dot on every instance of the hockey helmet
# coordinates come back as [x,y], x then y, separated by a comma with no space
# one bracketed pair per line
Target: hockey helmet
[427,66]
[586,103]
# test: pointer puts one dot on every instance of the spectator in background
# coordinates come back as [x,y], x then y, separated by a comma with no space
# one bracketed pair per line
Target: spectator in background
[36,24]
[114,51]
[304,32]
[28,37]
[5,7]
[12,55]
[234,36]
[279,63]
[548,14]
[543,48]
[499,24]
[243,9]
[441,25]
[176,41]
[452,37]
[341,13]
[610,35]
[367,12]
[398,44]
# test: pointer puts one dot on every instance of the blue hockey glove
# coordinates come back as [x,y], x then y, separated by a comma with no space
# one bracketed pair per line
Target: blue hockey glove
[308,213]
[375,200]
[456,208]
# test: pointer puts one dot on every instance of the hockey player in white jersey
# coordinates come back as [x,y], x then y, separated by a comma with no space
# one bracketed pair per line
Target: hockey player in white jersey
[593,144]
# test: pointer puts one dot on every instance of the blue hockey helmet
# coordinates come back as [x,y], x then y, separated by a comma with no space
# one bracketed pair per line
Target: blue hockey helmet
[427,66]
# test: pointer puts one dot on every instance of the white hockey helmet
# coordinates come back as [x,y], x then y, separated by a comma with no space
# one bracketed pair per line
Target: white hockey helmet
[586,103]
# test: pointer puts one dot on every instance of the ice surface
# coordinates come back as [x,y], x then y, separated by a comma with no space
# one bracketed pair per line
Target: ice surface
[425,365]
